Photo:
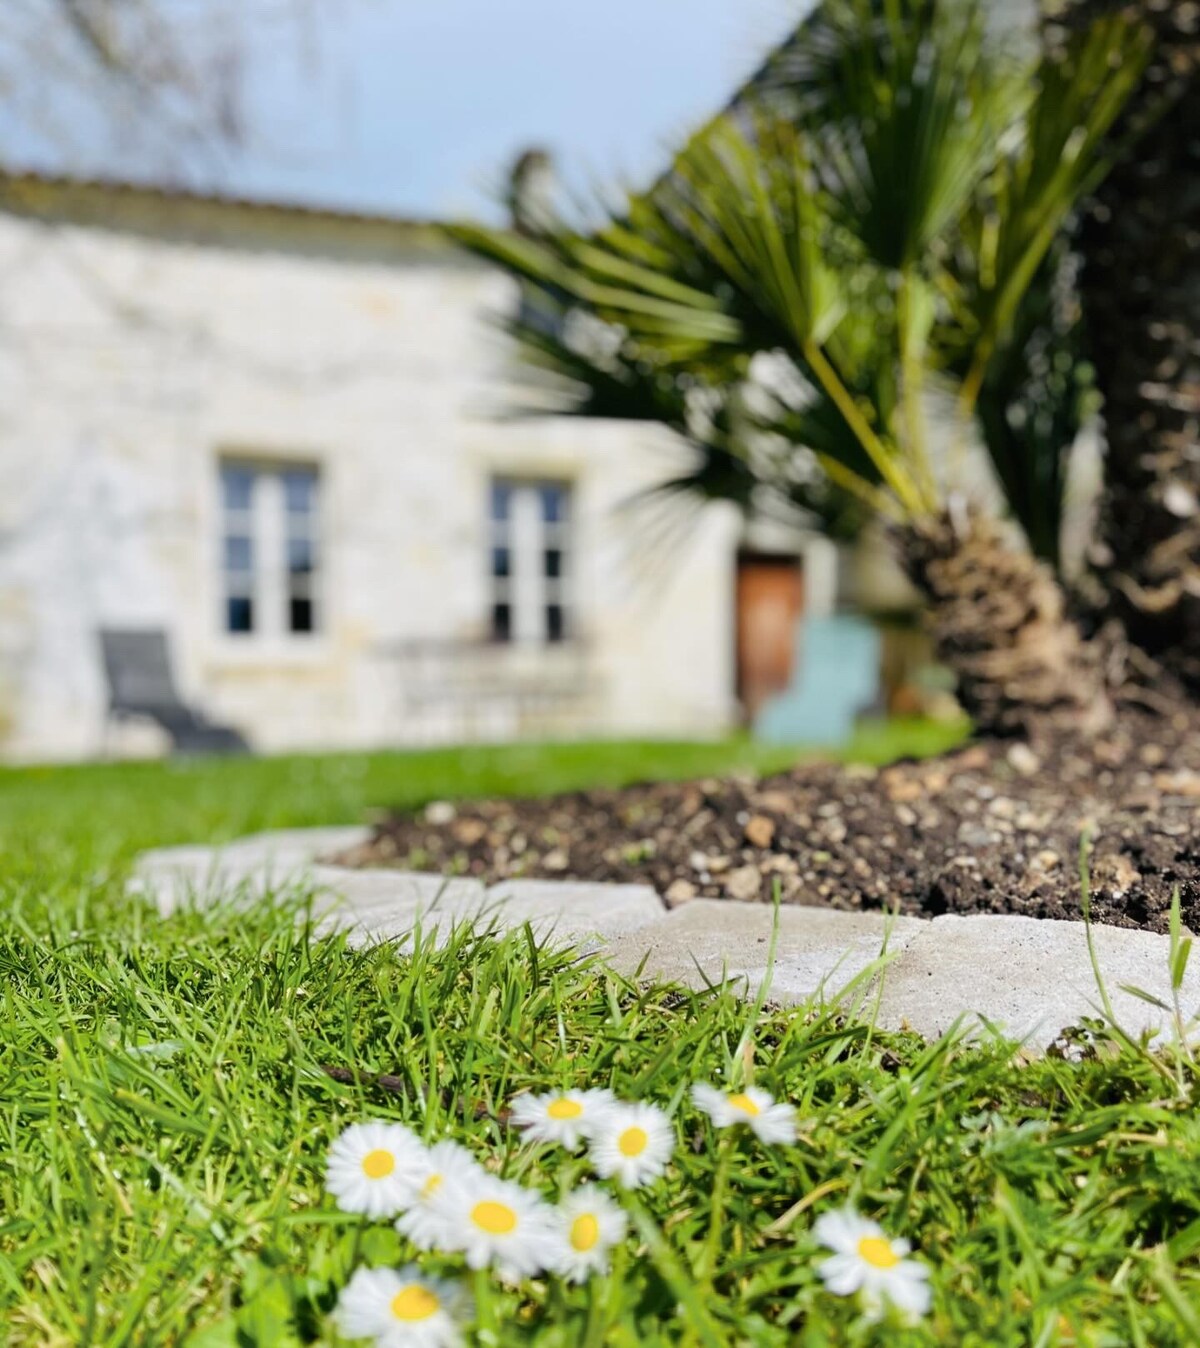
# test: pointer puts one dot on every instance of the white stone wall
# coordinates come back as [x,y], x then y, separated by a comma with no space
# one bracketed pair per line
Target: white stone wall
[129,364]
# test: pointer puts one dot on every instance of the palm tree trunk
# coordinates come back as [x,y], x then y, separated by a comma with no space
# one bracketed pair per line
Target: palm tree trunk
[1140,282]
[998,619]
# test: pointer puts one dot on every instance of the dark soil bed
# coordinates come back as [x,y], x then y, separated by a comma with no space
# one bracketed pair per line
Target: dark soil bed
[992,828]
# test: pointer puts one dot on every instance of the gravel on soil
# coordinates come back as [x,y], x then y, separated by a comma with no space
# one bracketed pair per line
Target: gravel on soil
[991,828]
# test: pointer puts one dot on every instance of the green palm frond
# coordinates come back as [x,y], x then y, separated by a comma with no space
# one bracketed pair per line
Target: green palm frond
[1035,398]
[906,103]
[747,215]
[887,215]
[743,438]
[751,208]
[1029,197]
[684,319]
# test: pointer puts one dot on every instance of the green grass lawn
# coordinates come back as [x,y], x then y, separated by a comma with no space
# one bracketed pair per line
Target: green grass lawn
[106,812]
[166,1109]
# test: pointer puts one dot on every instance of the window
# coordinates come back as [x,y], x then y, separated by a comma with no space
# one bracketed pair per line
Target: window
[530,561]
[300,514]
[237,493]
[269,549]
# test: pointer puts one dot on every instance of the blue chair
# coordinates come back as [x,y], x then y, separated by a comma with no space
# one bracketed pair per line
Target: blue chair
[837,678]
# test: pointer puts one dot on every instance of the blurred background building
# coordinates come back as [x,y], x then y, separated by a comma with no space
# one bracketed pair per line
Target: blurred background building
[276,435]
[255,411]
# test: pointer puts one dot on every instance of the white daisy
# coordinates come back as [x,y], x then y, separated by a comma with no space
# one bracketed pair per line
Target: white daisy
[590,1224]
[565,1117]
[400,1308]
[496,1222]
[866,1261]
[371,1166]
[770,1120]
[422,1223]
[633,1144]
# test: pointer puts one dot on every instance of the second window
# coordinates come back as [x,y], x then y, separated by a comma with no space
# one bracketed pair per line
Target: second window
[530,561]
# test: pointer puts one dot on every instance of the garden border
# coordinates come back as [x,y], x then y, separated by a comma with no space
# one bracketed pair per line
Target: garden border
[1028,976]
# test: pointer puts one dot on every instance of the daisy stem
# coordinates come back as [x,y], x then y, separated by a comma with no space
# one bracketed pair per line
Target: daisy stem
[597,1321]
[487,1329]
[692,1308]
[717,1219]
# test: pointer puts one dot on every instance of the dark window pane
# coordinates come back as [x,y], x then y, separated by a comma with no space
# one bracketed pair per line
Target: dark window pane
[237,487]
[501,561]
[300,556]
[501,622]
[555,622]
[239,553]
[501,500]
[554,503]
[299,490]
[300,615]
[239,614]
[554,563]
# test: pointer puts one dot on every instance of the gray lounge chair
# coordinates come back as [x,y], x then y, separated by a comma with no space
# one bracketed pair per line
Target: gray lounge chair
[140,683]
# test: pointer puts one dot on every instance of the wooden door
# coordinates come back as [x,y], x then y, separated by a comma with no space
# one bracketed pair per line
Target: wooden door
[770,596]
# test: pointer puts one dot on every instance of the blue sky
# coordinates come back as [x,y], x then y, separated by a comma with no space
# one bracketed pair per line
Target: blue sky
[417,106]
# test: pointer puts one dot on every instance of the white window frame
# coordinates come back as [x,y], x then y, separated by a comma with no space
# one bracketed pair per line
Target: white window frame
[270,526]
[527,536]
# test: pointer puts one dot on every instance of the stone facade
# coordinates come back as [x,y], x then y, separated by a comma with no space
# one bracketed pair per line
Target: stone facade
[146,339]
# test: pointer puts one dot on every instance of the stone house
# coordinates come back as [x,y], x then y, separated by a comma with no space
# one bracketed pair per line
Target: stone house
[281,436]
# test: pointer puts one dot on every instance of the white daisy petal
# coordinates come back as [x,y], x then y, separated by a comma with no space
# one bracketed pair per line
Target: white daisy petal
[841,1273]
[865,1260]
[911,1291]
[497,1224]
[842,1229]
[370,1168]
[565,1117]
[770,1120]
[423,1224]
[590,1224]
[634,1145]
[776,1126]
[400,1308]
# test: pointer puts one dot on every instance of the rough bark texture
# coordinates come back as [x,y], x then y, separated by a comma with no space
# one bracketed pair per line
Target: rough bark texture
[998,620]
[1140,280]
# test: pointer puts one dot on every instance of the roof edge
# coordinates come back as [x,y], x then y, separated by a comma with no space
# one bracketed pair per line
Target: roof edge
[212,218]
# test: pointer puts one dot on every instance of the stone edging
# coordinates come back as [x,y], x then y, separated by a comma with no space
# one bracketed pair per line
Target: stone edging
[1028,976]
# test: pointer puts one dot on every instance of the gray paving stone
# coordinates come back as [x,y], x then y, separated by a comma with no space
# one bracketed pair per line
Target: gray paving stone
[383,905]
[819,950]
[574,909]
[1030,976]
[298,846]
[182,875]
[252,866]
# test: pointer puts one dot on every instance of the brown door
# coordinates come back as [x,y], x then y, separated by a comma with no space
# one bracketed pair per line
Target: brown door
[770,595]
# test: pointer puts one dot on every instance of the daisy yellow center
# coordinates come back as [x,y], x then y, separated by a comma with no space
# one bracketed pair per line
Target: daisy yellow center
[414,1302]
[745,1104]
[565,1109]
[378,1164]
[877,1251]
[497,1219]
[585,1232]
[632,1142]
[431,1186]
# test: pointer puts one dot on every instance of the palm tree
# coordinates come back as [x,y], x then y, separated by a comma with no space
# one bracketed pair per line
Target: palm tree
[1140,285]
[813,264]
